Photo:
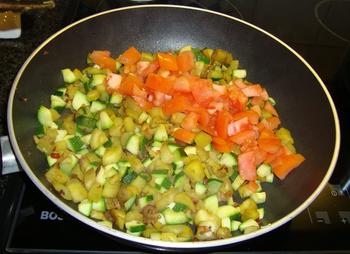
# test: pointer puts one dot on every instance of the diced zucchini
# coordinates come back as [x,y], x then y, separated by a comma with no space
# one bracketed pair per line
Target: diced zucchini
[45,116]
[179,180]
[269,178]
[237,183]
[198,68]
[264,170]
[99,205]
[235,225]
[100,176]
[200,188]
[214,185]
[226,223]
[85,207]
[156,145]
[75,144]
[86,124]
[186,48]
[68,163]
[272,101]
[133,144]
[61,134]
[248,223]
[116,99]
[178,164]
[106,223]
[200,56]
[211,203]
[228,159]
[261,212]
[155,236]
[79,100]
[129,176]
[86,139]
[147,162]
[105,120]
[173,147]
[135,227]
[143,201]
[100,151]
[97,106]
[171,217]
[259,197]
[208,148]
[68,76]
[97,79]
[129,203]
[57,102]
[143,117]
[179,207]
[240,73]
[60,92]
[190,150]
[51,161]
[227,211]
[161,133]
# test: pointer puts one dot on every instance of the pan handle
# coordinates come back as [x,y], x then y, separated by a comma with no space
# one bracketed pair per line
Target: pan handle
[8,159]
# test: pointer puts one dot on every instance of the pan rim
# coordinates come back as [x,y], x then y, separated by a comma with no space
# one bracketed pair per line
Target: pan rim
[155,243]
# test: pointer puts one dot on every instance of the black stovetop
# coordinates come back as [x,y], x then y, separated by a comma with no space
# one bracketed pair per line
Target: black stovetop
[317,29]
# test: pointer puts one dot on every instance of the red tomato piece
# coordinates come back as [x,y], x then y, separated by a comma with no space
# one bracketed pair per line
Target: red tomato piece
[240,137]
[128,83]
[103,59]
[179,103]
[130,56]
[185,61]
[285,164]
[190,121]
[222,121]
[252,90]
[269,145]
[221,145]
[181,84]
[158,83]
[253,117]
[184,135]
[235,127]
[167,61]
[247,166]
[203,92]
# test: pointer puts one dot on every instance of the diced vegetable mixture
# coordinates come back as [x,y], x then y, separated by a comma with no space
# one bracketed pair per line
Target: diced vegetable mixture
[171,146]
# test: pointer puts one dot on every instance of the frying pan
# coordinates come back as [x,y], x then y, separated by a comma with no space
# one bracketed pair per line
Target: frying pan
[303,101]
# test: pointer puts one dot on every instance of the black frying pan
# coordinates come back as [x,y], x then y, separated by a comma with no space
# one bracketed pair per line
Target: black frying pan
[304,103]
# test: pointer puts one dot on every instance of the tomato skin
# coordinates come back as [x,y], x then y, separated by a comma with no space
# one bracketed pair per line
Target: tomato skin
[221,145]
[103,59]
[285,164]
[185,61]
[128,83]
[167,61]
[130,56]
[247,166]
[158,83]
[179,103]
[184,135]
[222,121]
[190,121]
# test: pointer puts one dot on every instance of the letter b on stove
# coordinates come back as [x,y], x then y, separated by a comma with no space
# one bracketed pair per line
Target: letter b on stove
[47,215]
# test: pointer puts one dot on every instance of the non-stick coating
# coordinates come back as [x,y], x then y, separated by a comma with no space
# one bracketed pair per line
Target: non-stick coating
[301,101]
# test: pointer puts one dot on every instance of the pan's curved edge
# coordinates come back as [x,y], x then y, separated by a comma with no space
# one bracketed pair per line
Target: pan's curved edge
[162,244]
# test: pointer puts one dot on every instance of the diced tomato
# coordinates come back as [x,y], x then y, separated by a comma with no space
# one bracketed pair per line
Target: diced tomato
[220,89]
[237,98]
[141,66]
[55,155]
[240,137]
[184,135]
[253,117]
[151,68]
[204,117]
[185,61]
[113,82]
[237,126]
[136,91]
[269,108]
[270,145]
[239,83]
[271,157]
[181,84]
[190,121]
[179,103]
[128,83]
[267,133]
[264,95]
[221,145]
[103,59]
[247,166]
[222,121]
[252,90]
[203,92]
[257,101]
[253,186]
[260,156]
[146,105]
[256,109]
[130,56]
[159,98]
[167,61]
[158,83]
[285,164]
[273,122]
